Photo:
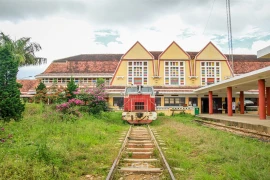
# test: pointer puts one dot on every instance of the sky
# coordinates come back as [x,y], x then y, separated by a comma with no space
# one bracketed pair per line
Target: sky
[66,28]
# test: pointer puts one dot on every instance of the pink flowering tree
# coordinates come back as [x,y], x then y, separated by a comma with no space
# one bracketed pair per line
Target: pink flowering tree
[98,102]
[94,97]
[70,108]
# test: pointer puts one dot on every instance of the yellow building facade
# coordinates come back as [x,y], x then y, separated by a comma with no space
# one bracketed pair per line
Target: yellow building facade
[173,73]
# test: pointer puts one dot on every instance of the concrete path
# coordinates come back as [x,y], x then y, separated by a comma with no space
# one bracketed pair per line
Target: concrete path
[247,121]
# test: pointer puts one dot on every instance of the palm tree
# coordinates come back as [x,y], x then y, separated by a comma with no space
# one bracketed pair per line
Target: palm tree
[23,50]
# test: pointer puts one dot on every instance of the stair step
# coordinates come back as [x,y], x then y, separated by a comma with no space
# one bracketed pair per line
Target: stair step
[140,160]
[138,141]
[138,152]
[140,149]
[139,138]
[128,169]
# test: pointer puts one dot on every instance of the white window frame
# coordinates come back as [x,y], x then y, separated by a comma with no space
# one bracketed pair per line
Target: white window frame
[207,74]
[133,76]
[179,74]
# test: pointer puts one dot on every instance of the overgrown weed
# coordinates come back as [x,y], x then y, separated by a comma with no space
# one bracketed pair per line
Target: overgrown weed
[45,147]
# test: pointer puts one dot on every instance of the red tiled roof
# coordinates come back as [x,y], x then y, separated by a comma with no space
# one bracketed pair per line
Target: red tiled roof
[247,57]
[92,57]
[107,63]
[82,66]
[28,84]
[242,67]
[75,75]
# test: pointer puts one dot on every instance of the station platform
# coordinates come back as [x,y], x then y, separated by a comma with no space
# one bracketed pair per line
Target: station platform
[247,121]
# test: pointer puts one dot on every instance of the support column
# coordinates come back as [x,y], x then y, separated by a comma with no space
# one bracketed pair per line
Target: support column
[242,102]
[229,99]
[200,104]
[210,99]
[261,84]
[268,100]
[187,101]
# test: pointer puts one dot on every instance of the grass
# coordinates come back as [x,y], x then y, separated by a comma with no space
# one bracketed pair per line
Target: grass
[43,147]
[198,152]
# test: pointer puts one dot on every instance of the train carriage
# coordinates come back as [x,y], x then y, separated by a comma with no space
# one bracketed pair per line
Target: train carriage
[139,105]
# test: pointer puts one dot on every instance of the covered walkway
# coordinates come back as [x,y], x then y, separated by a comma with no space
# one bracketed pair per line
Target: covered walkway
[236,86]
[246,121]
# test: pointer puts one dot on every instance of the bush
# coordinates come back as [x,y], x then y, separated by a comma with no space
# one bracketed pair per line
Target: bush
[11,106]
[161,114]
[70,109]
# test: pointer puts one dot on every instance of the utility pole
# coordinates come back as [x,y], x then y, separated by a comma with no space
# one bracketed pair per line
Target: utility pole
[229,28]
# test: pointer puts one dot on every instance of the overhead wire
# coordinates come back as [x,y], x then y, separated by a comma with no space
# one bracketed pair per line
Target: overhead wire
[229,29]
[209,16]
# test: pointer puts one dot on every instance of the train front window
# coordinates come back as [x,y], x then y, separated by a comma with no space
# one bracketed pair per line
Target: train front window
[139,89]
[146,89]
[139,105]
[131,90]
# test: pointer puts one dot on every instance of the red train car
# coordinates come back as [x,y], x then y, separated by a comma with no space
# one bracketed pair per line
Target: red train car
[139,105]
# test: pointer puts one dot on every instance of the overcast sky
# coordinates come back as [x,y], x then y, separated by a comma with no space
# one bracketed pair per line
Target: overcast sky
[70,27]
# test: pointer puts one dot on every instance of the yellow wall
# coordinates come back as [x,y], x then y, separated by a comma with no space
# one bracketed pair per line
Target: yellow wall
[225,71]
[137,52]
[120,77]
[110,102]
[174,52]
[210,52]
[188,82]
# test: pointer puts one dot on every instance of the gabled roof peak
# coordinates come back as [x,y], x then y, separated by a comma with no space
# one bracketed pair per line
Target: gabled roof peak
[137,43]
[174,43]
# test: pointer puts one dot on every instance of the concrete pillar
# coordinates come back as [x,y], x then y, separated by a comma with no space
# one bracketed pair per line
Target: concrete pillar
[268,100]
[200,104]
[186,100]
[223,101]
[242,102]
[229,99]
[261,84]
[162,101]
[210,99]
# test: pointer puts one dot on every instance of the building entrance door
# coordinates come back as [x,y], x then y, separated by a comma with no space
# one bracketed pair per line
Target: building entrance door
[205,105]
[217,105]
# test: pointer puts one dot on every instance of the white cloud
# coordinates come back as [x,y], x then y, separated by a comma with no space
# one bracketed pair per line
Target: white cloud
[68,28]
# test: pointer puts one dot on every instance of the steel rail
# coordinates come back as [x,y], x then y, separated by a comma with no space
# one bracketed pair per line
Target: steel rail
[234,128]
[116,161]
[161,153]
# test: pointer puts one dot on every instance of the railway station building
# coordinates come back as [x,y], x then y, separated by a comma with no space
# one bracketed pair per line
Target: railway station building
[181,79]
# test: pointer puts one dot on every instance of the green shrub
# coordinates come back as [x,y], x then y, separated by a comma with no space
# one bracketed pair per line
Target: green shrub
[161,114]
[11,106]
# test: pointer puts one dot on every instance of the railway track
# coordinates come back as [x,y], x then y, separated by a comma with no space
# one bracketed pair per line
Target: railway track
[140,157]
[235,130]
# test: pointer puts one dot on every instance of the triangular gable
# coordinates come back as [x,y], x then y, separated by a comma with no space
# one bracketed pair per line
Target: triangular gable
[137,51]
[174,51]
[210,52]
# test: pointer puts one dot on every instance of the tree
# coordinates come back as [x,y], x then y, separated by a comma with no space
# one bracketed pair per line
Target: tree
[11,106]
[97,98]
[100,81]
[71,88]
[41,93]
[23,50]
